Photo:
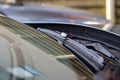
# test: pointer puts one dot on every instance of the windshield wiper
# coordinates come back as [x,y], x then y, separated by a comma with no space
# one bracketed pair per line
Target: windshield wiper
[80,51]
[95,59]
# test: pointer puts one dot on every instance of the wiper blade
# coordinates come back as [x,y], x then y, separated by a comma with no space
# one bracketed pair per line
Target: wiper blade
[80,50]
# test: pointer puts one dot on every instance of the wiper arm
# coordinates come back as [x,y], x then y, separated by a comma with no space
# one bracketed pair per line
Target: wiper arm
[81,51]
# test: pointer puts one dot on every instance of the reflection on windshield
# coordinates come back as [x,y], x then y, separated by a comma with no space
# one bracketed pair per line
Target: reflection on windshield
[46,44]
[75,65]
[4,75]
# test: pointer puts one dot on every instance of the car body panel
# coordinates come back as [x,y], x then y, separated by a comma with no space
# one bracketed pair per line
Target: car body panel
[51,14]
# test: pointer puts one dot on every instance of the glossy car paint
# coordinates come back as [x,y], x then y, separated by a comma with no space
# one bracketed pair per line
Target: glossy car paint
[50,14]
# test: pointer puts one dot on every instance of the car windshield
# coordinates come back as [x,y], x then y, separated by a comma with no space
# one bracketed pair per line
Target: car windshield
[34,41]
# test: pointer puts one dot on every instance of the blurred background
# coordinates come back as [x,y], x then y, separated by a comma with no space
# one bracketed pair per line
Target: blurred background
[108,9]
[95,6]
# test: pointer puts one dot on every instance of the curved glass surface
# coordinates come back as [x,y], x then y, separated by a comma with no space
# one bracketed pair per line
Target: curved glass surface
[35,54]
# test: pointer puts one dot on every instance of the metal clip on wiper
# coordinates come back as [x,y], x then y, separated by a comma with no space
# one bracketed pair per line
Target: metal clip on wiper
[82,52]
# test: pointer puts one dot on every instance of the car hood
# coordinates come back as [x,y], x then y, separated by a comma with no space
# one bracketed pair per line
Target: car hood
[40,14]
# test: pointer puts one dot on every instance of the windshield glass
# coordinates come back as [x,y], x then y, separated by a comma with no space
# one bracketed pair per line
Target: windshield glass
[47,46]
